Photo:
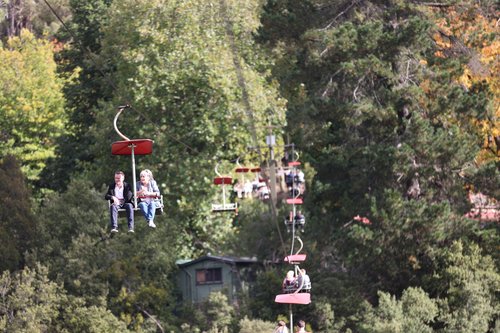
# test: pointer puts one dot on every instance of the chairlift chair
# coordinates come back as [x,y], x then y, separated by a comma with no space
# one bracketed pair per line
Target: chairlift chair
[133,147]
[241,169]
[225,206]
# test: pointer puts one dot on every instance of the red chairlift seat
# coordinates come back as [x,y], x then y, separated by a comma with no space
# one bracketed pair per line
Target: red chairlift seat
[294,201]
[295,258]
[242,170]
[255,169]
[141,147]
[296,298]
[293,163]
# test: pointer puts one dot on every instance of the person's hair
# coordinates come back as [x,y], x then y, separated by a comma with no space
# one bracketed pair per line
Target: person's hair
[147,172]
[119,172]
[301,323]
[281,323]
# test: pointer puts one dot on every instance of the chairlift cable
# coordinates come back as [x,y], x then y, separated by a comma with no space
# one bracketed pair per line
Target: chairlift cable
[105,76]
[239,72]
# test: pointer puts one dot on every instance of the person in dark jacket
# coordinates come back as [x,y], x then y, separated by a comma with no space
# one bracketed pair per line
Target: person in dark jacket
[120,195]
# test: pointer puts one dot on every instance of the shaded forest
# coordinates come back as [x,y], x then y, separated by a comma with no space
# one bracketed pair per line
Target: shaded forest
[392,106]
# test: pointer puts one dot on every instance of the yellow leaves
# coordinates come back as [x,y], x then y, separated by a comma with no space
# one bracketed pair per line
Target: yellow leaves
[466,31]
[414,262]
[465,79]
[31,101]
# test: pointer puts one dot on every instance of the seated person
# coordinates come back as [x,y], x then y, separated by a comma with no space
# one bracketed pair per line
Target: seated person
[264,192]
[300,177]
[147,193]
[300,220]
[120,195]
[290,282]
[238,188]
[294,191]
[248,189]
[288,179]
[301,327]
[303,281]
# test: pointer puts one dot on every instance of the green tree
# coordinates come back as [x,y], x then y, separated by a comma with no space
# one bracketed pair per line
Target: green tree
[468,282]
[129,275]
[17,222]
[413,313]
[33,303]
[32,112]
[33,15]
[214,314]
[90,83]
[261,303]
[255,325]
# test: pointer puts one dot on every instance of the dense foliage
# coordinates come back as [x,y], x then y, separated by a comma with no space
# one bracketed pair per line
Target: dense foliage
[392,104]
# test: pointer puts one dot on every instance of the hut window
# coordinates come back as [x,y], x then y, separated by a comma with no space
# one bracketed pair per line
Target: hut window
[208,276]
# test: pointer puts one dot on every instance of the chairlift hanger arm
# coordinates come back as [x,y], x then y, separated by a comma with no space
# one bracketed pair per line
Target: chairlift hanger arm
[120,110]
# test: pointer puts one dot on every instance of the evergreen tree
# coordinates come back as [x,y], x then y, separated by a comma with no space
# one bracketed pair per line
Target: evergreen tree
[386,124]
[90,83]
[17,222]
[33,303]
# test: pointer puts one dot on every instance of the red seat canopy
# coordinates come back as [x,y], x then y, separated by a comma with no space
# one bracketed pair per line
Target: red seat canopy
[141,147]
[296,258]
[298,298]
[294,201]
[222,180]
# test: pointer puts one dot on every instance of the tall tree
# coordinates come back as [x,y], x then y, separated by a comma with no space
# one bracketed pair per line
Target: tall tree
[90,83]
[33,15]
[32,112]
[31,302]
[17,222]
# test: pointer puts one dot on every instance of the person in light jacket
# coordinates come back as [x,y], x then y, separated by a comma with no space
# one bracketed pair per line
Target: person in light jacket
[148,194]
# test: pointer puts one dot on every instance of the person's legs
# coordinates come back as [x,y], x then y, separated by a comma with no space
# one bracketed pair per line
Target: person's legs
[151,214]
[130,215]
[151,211]
[143,206]
[113,216]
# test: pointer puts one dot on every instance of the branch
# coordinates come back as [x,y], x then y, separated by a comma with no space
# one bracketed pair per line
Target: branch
[357,87]
[433,4]
[153,318]
[340,14]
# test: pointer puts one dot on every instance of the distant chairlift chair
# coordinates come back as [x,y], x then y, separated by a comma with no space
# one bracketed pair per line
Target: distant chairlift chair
[225,206]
